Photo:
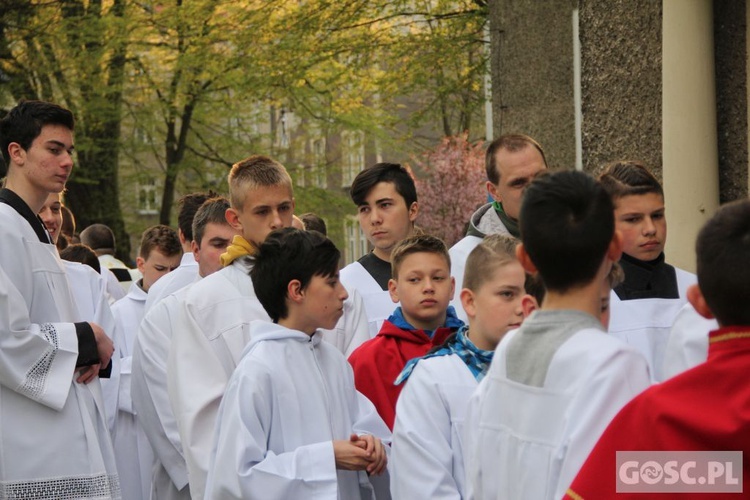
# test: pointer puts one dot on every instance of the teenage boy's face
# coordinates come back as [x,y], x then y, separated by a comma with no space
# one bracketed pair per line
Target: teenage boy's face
[517,169]
[216,239]
[155,266]
[324,301]
[424,287]
[47,164]
[51,215]
[385,218]
[641,221]
[265,209]
[495,308]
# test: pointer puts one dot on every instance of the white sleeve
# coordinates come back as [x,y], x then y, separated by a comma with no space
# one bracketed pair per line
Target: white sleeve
[356,329]
[614,382]
[688,341]
[36,360]
[196,381]
[243,467]
[422,456]
[149,391]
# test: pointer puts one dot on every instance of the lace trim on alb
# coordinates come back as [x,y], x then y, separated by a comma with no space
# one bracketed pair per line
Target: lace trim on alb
[36,377]
[68,488]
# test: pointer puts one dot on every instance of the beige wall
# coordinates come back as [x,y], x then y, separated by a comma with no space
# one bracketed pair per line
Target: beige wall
[690,157]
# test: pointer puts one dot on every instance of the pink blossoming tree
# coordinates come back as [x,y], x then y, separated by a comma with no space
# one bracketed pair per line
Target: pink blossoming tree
[451,186]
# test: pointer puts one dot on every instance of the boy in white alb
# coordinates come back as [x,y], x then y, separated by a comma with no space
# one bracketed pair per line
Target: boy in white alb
[427,459]
[54,441]
[557,381]
[386,200]
[159,254]
[212,234]
[645,305]
[213,319]
[291,424]
[89,293]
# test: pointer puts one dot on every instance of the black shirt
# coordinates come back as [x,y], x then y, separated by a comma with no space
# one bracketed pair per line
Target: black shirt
[653,279]
[379,269]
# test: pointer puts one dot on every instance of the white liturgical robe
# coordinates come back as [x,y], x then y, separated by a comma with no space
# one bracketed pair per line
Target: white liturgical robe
[54,441]
[525,441]
[151,399]
[212,325]
[289,398]
[645,323]
[427,458]
[135,458]
[378,303]
[688,341]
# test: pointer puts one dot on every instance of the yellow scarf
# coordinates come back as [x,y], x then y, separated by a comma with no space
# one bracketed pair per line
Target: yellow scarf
[238,248]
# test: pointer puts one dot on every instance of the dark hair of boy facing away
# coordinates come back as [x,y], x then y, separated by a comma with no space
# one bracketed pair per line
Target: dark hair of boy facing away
[723,252]
[77,252]
[189,205]
[417,244]
[314,222]
[290,254]
[567,223]
[626,178]
[24,123]
[384,172]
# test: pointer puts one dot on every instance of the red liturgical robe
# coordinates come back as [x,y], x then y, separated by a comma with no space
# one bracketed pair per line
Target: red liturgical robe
[706,408]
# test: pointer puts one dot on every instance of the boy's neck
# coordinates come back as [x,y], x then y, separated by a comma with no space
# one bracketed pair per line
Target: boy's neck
[32,197]
[586,298]
[430,325]
[478,338]
[382,254]
[294,323]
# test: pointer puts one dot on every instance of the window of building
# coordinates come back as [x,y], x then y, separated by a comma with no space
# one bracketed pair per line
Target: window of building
[356,241]
[353,156]
[148,196]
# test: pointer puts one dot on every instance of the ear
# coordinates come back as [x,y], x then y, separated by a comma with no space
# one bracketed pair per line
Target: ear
[16,153]
[413,211]
[698,301]
[182,237]
[196,250]
[140,263]
[525,260]
[614,251]
[453,287]
[468,302]
[294,291]
[492,190]
[528,305]
[393,290]
[233,219]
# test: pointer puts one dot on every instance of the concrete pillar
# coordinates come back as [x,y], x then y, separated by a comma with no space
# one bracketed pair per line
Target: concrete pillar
[689,141]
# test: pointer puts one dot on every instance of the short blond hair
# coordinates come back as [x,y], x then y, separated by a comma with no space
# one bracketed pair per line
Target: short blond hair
[495,250]
[254,172]
[422,243]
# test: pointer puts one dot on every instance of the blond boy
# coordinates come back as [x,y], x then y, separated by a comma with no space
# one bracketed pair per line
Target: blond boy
[427,452]
[423,285]
[212,330]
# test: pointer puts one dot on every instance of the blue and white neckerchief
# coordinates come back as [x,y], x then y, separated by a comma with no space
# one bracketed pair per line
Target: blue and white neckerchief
[477,360]
[451,321]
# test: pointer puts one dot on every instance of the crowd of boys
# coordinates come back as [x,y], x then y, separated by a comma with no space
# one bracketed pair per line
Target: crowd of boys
[238,361]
